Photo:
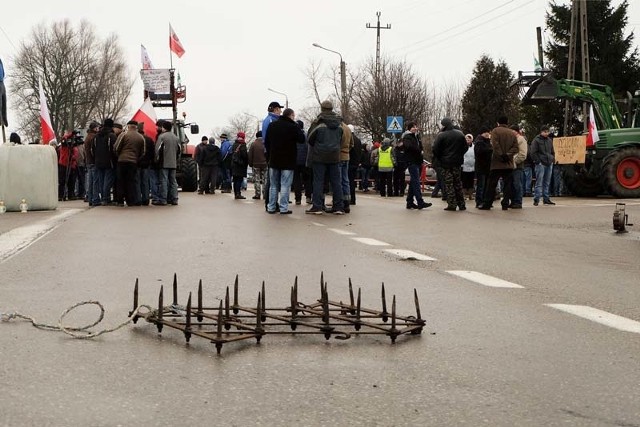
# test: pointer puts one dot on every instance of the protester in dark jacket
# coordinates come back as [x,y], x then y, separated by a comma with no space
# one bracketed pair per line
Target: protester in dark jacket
[449,148]
[302,174]
[482,149]
[239,164]
[144,165]
[105,169]
[413,155]
[209,160]
[283,138]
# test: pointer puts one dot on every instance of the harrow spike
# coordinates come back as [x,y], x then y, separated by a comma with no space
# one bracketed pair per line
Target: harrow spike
[384,314]
[175,288]
[264,304]
[227,314]
[187,326]
[393,332]
[351,300]
[199,312]
[218,339]
[358,307]
[236,307]
[160,309]
[135,302]
[259,329]
[415,298]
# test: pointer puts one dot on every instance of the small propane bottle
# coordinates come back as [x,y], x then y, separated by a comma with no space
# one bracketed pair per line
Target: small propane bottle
[23,206]
[3,208]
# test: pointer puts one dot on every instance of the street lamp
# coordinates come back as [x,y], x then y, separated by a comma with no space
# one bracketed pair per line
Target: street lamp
[286,98]
[344,105]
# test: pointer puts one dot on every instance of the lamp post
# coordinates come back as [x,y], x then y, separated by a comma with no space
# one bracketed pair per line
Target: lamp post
[344,105]
[286,98]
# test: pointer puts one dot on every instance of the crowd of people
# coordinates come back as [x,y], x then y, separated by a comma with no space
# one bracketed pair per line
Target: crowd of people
[115,164]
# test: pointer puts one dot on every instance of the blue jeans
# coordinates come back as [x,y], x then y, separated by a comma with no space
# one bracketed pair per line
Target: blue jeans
[280,181]
[92,197]
[154,183]
[414,185]
[143,185]
[344,180]
[481,182]
[319,170]
[543,178]
[168,186]
[364,178]
[104,179]
[526,180]
[518,174]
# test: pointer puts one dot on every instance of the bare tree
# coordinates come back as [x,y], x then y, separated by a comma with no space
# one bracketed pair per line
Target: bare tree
[83,78]
[398,91]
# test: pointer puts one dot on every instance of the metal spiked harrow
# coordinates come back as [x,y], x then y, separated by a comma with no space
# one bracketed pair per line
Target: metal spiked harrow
[229,321]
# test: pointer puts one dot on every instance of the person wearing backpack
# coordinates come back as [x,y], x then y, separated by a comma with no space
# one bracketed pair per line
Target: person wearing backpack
[227,163]
[325,139]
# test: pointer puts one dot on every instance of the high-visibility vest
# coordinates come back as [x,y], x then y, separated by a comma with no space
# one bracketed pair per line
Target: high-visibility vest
[384,159]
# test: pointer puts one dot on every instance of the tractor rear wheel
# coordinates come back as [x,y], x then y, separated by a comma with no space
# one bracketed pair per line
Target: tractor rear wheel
[189,179]
[622,172]
[581,183]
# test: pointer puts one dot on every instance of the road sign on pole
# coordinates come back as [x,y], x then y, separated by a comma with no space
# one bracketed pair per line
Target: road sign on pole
[395,124]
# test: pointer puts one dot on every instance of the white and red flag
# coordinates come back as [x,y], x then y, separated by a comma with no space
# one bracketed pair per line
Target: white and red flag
[147,115]
[144,57]
[174,43]
[592,136]
[47,132]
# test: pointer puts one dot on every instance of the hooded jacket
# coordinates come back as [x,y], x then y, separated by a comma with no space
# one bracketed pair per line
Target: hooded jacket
[325,138]
[103,148]
[542,150]
[412,148]
[449,147]
[482,150]
[257,157]
[283,137]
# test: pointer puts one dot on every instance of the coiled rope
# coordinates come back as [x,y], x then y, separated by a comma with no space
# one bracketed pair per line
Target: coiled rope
[83,332]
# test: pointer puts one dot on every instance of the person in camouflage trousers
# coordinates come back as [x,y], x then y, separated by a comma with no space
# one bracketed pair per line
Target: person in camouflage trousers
[449,149]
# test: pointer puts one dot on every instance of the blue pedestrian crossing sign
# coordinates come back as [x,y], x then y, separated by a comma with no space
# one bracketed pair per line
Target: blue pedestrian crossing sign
[395,124]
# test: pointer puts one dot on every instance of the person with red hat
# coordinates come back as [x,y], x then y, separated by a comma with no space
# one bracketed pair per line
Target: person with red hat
[239,164]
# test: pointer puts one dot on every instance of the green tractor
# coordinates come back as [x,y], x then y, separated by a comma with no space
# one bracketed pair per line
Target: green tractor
[612,165]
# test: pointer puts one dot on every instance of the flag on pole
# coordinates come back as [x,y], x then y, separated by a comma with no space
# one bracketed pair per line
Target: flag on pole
[146,61]
[147,115]
[536,64]
[47,132]
[174,43]
[592,136]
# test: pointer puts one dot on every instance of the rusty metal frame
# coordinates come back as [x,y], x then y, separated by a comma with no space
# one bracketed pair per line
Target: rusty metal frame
[230,321]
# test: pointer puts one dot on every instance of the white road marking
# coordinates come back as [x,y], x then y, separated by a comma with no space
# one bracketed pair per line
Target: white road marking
[317,224]
[599,316]
[342,232]
[370,242]
[406,254]
[14,241]
[484,279]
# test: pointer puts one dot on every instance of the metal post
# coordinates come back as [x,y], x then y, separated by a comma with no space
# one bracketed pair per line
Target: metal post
[344,104]
[540,50]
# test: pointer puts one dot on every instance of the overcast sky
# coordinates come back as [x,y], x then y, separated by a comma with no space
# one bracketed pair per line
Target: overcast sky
[237,49]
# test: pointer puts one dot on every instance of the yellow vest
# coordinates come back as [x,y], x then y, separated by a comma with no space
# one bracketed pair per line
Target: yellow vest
[385,163]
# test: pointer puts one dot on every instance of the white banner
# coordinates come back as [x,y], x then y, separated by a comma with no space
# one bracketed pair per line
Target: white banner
[157,80]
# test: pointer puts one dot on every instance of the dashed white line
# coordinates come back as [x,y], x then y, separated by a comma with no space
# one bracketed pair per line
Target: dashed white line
[406,254]
[342,232]
[599,316]
[484,279]
[18,239]
[317,224]
[370,242]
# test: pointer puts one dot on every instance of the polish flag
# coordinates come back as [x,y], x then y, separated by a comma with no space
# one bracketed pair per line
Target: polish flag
[147,115]
[146,61]
[174,43]
[592,136]
[48,134]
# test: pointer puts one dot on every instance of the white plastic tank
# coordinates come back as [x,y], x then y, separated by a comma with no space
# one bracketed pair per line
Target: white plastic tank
[28,172]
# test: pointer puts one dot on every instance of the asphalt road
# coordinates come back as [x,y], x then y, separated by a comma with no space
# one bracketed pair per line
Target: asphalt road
[499,356]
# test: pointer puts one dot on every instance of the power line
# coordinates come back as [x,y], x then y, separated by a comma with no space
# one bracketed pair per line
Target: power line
[466,31]
[8,38]
[455,27]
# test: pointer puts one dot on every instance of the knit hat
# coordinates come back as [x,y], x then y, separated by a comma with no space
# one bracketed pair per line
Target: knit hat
[223,136]
[240,136]
[204,138]
[446,122]
[108,123]
[326,106]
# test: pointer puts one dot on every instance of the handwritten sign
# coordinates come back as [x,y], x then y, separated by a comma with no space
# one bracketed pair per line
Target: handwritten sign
[570,149]
[156,80]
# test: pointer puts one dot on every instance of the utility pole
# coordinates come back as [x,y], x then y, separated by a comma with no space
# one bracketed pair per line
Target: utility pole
[578,13]
[540,50]
[378,28]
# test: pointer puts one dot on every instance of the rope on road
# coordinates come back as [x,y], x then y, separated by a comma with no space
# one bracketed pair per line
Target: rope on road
[82,332]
